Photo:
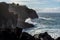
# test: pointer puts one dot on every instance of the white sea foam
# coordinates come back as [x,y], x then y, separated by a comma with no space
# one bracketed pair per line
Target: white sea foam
[45,18]
[53,32]
[29,20]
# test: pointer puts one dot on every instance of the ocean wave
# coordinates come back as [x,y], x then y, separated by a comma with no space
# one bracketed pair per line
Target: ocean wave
[46,18]
[55,33]
[48,24]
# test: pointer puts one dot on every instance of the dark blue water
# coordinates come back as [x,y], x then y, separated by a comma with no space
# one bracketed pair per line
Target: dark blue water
[47,22]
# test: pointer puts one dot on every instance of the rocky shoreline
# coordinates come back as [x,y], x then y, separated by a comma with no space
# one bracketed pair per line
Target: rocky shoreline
[17,34]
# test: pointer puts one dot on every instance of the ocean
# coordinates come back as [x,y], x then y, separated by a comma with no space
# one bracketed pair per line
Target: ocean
[47,22]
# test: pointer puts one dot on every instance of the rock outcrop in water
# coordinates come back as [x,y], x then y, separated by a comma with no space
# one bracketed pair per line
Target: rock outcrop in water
[12,15]
[43,36]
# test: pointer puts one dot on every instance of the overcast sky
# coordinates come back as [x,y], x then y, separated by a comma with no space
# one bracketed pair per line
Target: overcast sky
[39,5]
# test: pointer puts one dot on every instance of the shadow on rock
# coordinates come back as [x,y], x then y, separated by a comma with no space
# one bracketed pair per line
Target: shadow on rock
[26,36]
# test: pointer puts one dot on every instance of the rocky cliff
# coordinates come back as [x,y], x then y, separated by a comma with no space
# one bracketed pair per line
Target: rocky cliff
[15,14]
[23,11]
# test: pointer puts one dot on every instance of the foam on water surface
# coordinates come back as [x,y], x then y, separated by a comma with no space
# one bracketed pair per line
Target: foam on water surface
[50,24]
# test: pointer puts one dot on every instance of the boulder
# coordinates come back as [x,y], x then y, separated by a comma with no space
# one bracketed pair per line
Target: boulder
[36,36]
[43,36]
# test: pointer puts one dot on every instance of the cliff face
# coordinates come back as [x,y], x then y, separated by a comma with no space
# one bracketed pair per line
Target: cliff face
[15,14]
[6,18]
[3,13]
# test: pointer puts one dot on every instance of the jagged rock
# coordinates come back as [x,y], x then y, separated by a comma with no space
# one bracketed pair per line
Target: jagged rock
[26,36]
[32,13]
[36,37]
[43,36]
